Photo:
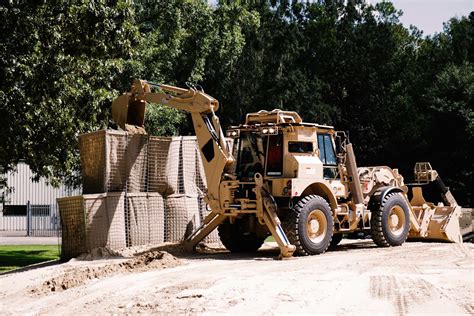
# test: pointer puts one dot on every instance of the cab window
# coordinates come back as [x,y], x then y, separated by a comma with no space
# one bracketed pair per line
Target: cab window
[327,156]
[326,150]
[251,156]
[300,147]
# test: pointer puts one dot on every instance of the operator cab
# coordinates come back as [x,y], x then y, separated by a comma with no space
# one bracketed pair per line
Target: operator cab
[258,153]
[261,143]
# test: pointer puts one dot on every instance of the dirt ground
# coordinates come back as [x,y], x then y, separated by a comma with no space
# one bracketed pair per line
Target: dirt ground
[356,278]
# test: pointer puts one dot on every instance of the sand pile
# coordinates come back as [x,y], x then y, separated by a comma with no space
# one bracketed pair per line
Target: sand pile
[78,276]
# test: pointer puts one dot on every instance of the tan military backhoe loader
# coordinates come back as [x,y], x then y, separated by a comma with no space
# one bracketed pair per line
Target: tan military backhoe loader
[297,181]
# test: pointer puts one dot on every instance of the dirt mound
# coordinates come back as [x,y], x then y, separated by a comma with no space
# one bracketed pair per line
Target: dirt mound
[129,252]
[77,276]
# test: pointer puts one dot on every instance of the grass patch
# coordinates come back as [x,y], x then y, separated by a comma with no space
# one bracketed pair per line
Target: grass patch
[17,256]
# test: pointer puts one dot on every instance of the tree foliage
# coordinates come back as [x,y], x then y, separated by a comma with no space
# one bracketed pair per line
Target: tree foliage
[61,66]
[402,96]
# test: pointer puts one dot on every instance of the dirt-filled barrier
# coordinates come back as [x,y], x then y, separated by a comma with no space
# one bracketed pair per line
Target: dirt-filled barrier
[112,220]
[165,165]
[181,216]
[91,221]
[145,219]
[113,161]
[159,182]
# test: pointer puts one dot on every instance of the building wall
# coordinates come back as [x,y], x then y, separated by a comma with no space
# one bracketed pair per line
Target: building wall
[24,189]
[43,217]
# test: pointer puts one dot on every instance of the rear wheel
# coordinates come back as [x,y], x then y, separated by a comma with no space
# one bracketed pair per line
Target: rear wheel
[236,238]
[309,225]
[336,239]
[390,223]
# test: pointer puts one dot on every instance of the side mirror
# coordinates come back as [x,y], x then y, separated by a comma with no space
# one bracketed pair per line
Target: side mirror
[339,148]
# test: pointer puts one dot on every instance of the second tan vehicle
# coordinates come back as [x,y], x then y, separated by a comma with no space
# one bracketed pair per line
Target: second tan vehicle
[296,181]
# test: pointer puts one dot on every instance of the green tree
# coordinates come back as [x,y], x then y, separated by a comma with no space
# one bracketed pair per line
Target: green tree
[451,99]
[161,120]
[61,67]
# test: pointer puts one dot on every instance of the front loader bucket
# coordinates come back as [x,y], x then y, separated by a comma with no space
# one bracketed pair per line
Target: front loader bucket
[435,222]
[127,111]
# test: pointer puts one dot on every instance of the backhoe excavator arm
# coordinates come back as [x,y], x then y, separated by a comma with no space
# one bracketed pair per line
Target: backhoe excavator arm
[129,108]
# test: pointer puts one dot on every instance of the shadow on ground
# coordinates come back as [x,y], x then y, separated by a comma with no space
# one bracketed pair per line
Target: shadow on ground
[269,251]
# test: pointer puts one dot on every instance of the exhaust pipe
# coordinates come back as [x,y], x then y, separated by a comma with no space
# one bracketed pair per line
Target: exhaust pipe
[354,181]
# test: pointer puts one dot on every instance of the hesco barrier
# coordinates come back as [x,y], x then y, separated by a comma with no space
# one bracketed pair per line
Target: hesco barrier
[113,220]
[164,161]
[148,190]
[113,161]
[116,220]
[181,216]
[144,219]
[213,237]
[91,221]
[116,161]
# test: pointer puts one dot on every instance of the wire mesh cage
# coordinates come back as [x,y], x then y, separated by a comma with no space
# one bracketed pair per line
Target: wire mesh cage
[190,166]
[136,156]
[181,216]
[213,237]
[144,219]
[73,226]
[92,151]
[91,221]
[164,161]
[113,161]
[116,220]
[159,182]
[156,218]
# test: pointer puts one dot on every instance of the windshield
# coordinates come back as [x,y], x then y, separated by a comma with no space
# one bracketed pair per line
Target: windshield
[251,155]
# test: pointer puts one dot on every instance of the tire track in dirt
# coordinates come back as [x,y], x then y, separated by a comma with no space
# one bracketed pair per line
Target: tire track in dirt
[188,297]
[402,292]
[462,251]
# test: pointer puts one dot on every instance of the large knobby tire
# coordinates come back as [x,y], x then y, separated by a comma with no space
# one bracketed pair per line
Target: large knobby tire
[390,223]
[309,225]
[236,239]
[336,239]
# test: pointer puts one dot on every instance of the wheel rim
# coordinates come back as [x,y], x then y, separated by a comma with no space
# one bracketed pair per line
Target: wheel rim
[316,226]
[396,220]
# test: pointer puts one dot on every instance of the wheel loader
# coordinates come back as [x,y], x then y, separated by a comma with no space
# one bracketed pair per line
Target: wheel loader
[296,181]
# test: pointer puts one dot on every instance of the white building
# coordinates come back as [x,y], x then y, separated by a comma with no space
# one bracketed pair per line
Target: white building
[30,206]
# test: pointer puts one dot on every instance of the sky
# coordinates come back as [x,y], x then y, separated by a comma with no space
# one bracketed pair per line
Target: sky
[429,15]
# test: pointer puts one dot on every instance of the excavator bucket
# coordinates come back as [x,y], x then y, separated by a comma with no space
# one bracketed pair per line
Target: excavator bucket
[435,211]
[126,111]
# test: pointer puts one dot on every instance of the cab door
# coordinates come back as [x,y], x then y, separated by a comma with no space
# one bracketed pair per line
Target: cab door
[327,155]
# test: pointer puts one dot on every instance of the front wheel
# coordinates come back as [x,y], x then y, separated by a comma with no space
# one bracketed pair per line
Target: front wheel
[309,225]
[236,238]
[390,223]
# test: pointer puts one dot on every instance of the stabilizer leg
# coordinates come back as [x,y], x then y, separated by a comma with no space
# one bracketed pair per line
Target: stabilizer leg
[210,223]
[266,209]
[274,226]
